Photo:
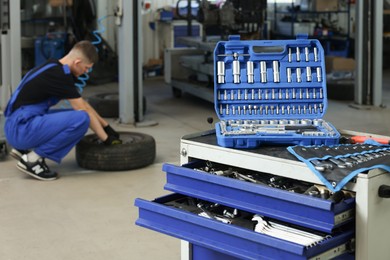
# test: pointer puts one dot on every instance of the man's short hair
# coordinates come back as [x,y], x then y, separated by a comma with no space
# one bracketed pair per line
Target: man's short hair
[88,50]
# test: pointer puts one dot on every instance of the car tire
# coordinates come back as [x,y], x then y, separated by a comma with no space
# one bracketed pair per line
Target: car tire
[137,150]
[107,104]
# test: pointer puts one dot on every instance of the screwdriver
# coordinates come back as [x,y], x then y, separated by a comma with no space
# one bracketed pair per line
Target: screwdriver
[361,139]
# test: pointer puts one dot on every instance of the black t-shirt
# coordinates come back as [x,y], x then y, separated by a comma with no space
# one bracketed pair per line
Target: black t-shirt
[56,81]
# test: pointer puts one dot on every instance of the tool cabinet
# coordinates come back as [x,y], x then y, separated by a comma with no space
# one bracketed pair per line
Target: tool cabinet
[363,219]
[260,202]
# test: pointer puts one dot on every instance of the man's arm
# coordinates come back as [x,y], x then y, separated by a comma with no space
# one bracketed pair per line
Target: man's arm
[106,126]
[101,120]
[96,122]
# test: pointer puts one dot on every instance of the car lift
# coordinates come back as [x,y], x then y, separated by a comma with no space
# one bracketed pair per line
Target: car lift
[10,58]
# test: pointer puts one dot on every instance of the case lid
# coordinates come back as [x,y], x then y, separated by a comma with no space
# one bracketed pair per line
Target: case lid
[269,79]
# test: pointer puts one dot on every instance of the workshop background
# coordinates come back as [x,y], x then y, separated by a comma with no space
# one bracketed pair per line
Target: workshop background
[155,76]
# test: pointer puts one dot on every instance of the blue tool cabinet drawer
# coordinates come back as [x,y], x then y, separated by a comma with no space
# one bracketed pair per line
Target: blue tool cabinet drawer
[300,209]
[233,240]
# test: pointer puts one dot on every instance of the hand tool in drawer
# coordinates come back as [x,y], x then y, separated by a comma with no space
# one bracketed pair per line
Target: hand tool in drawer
[279,182]
[250,221]
[285,232]
[280,84]
[234,240]
[269,195]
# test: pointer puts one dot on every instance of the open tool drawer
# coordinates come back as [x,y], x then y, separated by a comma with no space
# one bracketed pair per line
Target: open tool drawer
[271,91]
[301,209]
[181,217]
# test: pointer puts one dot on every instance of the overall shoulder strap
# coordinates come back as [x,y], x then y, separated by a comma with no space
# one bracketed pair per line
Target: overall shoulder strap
[29,76]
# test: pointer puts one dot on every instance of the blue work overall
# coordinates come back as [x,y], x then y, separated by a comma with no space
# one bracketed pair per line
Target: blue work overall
[50,133]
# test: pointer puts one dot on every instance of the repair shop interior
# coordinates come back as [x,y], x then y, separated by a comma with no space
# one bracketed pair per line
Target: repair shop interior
[214,129]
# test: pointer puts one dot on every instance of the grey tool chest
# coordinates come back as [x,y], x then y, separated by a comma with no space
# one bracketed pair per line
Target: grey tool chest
[224,206]
[271,92]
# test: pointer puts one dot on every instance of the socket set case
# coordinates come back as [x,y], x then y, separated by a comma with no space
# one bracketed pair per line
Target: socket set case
[271,91]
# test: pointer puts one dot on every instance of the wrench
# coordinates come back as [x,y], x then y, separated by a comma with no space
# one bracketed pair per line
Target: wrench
[247,178]
[369,156]
[361,157]
[321,166]
[357,159]
[348,162]
[374,155]
[285,233]
[205,212]
[339,163]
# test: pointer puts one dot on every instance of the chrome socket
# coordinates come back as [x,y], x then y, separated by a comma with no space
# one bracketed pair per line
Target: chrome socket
[308,74]
[319,74]
[236,72]
[315,51]
[299,75]
[306,53]
[263,72]
[289,78]
[293,122]
[298,54]
[306,122]
[250,71]
[221,72]
[317,122]
[275,65]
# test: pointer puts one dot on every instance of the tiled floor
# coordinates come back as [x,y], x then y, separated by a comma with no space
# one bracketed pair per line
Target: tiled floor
[90,215]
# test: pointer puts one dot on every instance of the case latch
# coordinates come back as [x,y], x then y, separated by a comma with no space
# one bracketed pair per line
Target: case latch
[302,36]
[234,37]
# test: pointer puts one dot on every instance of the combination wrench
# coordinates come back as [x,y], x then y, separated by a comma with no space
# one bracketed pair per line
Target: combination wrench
[321,166]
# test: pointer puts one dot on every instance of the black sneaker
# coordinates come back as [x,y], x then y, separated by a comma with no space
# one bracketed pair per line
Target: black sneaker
[38,169]
[17,154]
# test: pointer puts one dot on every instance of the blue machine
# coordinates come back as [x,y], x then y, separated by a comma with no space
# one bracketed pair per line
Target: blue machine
[51,45]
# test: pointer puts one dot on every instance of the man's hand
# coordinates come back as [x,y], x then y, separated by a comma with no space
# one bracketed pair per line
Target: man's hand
[110,131]
[112,140]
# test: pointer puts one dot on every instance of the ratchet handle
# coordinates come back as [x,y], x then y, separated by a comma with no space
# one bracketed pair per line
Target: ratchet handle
[300,127]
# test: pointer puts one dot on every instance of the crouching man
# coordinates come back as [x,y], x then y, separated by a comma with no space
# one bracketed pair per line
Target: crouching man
[37,132]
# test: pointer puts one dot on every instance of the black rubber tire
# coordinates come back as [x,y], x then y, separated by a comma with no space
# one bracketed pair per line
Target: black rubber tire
[138,150]
[340,90]
[106,104]
[3,150]
[177,93]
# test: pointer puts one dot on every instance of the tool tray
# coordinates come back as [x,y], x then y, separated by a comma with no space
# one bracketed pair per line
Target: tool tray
[269,195]
[271,91]
[198,222]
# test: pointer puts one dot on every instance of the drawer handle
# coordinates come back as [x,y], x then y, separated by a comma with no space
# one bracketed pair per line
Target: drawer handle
[384,191]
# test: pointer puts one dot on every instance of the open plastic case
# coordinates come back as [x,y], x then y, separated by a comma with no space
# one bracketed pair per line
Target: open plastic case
[271,91]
